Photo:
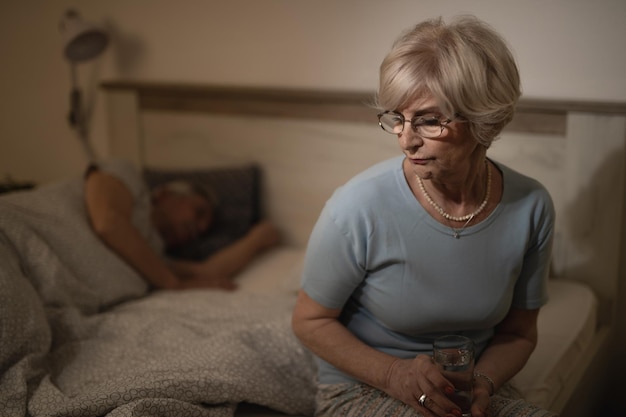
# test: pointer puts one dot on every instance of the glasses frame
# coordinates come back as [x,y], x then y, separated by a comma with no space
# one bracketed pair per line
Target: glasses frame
[415,126]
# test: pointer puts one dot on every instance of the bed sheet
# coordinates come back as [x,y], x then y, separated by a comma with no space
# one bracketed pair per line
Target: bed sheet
[277,271]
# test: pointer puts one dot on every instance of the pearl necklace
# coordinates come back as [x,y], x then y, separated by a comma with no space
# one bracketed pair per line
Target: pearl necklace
[468,217]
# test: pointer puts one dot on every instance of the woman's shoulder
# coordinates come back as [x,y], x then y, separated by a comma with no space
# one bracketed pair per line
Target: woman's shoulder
[514,178]
[518,186]
[358,203]
[367,191]
[372,182]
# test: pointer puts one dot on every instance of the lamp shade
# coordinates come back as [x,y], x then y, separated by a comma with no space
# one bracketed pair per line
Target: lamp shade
[82,41]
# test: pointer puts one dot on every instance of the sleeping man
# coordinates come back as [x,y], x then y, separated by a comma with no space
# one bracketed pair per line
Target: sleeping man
[138,224]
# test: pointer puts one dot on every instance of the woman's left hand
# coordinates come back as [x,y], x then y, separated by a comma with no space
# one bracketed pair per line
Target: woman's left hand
[480,404]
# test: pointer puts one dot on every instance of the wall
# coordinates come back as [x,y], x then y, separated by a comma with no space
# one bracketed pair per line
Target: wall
[565,48]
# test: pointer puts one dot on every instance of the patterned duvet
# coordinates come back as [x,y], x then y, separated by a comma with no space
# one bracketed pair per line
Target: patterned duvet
[80,335]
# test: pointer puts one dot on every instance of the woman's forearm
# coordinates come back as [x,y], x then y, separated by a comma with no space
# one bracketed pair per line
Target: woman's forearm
[505,356]
[514,340]
[334,343]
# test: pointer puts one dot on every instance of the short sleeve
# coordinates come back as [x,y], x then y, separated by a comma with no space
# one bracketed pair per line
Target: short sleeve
[531,288]
[334,262]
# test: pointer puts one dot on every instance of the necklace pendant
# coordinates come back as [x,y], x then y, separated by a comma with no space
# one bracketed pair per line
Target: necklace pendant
[456,235]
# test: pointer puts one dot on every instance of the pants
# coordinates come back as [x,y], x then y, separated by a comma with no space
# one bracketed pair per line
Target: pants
[360,400]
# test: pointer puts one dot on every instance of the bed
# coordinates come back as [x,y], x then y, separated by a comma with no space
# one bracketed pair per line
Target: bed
[119,351]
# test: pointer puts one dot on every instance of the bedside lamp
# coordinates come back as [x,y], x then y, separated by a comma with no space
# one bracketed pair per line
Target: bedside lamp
[82,41]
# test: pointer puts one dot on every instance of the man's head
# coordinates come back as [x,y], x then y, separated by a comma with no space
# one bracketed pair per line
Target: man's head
[182,211]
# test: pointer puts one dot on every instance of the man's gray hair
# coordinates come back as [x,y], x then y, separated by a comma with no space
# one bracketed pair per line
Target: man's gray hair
[186,187]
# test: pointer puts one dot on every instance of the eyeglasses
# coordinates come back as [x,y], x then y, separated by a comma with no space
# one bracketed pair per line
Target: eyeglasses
[427,127]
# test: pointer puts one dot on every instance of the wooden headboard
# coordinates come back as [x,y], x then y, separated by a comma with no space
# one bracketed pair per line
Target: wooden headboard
[309,142]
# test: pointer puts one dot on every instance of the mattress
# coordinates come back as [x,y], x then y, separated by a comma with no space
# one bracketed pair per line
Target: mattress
[567,326]
[276,271]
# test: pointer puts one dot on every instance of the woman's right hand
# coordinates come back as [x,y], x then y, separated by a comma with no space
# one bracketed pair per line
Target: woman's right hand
[408,379]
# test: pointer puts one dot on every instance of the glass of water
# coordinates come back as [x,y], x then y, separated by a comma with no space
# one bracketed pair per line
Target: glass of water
[454,356]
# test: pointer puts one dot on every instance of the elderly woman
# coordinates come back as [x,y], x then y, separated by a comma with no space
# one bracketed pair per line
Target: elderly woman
[441,240]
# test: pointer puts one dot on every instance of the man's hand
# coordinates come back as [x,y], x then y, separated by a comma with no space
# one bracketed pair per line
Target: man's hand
[221,283]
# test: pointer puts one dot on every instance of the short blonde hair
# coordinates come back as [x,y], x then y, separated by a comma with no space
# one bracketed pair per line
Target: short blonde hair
[465,65]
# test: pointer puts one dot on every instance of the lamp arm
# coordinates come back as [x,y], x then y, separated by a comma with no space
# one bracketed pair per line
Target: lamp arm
[75,117]
[77,120]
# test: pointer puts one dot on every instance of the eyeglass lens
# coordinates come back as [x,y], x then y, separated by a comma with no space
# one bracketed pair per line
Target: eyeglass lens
[392,122]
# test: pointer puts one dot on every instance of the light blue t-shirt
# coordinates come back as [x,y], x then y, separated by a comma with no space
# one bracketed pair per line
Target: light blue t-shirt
[401,277]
